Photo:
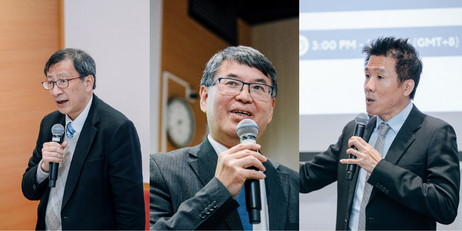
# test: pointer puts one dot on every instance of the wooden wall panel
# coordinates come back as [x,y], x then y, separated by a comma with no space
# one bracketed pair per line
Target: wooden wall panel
[30,32]
[186,48]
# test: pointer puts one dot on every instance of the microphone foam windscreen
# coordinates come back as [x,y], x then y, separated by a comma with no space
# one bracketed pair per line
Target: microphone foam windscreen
[362,118]
[57,130]
[247,127]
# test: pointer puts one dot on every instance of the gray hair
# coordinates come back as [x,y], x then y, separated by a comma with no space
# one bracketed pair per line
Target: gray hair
[83,62]
[243,55]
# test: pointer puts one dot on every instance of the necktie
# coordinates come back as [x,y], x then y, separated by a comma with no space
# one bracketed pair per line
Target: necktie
[53,213]
[243,210]
[383,129]
[70,130]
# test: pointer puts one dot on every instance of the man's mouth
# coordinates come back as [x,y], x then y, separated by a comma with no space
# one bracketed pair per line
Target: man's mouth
[242,113]
[61,101]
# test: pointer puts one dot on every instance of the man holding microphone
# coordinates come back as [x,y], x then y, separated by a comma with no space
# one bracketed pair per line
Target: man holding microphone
[99,182]
[201,187]
[408,173]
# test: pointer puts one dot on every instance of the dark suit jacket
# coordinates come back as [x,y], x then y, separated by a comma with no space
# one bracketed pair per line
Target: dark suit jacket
[185,195]
[415,186]
[104,188]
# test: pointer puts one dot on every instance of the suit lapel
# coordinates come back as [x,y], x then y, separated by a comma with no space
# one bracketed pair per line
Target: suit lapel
[405,136]
[82,149]
[276,195]
[403,139]
[203,160]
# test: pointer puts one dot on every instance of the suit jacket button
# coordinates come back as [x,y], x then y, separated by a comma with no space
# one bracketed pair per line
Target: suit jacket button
[377,185]
[34,187]
[214,204]
[387,192]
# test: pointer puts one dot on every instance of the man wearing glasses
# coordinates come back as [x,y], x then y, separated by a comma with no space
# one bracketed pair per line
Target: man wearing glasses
[99,182]
[200,187]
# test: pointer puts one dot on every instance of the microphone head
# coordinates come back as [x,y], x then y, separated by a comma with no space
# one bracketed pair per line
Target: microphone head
[57,130]
[247,127]
[362,118]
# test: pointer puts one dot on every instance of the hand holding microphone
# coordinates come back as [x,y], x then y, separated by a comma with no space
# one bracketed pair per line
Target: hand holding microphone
[233,166]
[52,154]
[361,121]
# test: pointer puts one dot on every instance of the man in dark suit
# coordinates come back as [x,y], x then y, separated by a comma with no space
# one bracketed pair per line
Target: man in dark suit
[99,184]
[409,167]
[199,187]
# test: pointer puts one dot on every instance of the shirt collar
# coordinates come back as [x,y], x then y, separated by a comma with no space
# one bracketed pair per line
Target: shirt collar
[397,121]
[77,124]
[216,146]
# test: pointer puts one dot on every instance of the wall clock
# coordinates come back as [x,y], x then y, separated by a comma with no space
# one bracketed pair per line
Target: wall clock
[180,122]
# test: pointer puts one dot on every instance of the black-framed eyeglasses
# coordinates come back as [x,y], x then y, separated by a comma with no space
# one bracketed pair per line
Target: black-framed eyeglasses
[61,83]
[230,86]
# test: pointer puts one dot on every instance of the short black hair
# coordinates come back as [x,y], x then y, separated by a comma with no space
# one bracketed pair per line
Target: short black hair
[408,63]
[83,62]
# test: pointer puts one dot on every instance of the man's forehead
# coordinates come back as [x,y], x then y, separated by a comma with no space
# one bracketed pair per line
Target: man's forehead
[65,68]
[379,62]
[239,71]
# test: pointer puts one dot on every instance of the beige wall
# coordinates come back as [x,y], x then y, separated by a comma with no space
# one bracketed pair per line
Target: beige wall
[279,42]
[186,48]
[30,32]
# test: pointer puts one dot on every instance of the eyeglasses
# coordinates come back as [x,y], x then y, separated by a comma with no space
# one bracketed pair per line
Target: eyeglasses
[61,83]
[258,91]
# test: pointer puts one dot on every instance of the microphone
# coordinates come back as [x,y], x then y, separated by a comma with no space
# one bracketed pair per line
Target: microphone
[361,120]
[247,131]
[57,130]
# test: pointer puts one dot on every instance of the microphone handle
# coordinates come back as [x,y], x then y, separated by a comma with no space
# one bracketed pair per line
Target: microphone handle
[253,200]
[54,166]
[53,175]
[351,168]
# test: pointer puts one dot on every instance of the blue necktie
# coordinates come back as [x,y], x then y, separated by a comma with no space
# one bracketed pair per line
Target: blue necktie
[243,210]
[70,130]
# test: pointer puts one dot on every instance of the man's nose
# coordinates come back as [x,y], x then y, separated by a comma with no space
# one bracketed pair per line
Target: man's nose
[244,95]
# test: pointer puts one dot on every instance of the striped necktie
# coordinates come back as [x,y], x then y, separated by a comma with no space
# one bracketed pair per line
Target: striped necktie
[383,129]
[70,130]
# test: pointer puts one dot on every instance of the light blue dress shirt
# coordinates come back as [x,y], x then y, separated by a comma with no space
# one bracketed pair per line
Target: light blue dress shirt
[395,124]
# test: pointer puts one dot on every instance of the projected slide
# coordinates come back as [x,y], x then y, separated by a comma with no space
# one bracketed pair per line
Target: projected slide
[333,33]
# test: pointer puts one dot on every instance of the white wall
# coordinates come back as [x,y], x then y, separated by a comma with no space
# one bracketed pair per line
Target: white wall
[116,33]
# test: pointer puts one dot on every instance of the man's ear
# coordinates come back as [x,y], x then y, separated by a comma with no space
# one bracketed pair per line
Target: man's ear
[408,87]
[89,81]
[204,94]
[273,103]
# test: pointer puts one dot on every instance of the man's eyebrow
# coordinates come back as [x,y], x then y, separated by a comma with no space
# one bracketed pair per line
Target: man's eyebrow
[258,80]
[232,75]
[58,75]
[379,69]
